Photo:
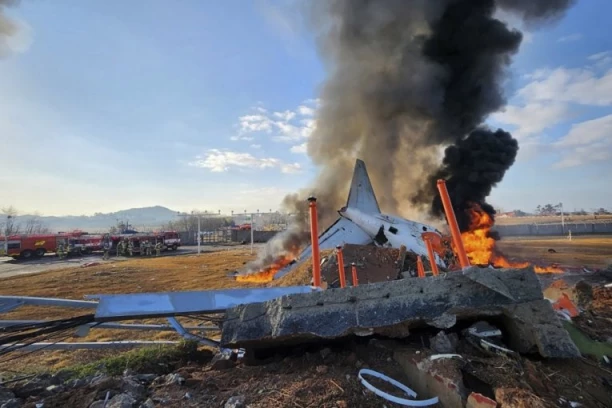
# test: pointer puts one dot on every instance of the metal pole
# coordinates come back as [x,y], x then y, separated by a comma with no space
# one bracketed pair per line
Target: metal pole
[252,227]
[452,223]
[354,273]
[199,234]
[432,256]
[8,217]
[314,238]
[341,273]
[562,218]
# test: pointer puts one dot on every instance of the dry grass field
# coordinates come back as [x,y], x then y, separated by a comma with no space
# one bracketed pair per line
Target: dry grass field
[204,272]
[192,272]
[553,219]
[589,251]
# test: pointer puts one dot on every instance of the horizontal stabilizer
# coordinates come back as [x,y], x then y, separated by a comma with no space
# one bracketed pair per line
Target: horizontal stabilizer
[361,196]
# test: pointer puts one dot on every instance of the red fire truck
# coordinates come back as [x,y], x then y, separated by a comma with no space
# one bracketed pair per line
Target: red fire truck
[31,246]
[79,243]
[171,239]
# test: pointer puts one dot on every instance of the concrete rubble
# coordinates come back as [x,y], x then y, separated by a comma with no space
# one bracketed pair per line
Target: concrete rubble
[512,296]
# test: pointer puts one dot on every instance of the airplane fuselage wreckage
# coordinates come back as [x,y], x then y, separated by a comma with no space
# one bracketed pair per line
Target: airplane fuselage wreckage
[362,223]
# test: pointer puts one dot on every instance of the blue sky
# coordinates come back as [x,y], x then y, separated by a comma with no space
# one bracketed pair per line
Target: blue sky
[208,105]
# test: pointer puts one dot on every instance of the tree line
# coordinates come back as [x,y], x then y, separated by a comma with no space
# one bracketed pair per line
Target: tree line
[12,224]
[556,209]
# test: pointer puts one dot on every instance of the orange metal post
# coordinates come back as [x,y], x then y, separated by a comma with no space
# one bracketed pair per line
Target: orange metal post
[314,237]
[354,272]
[432,257]
[420,269]
[452,223]
[341,266]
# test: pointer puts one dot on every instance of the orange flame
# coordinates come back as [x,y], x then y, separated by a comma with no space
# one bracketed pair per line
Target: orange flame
[267,274]
[481,249]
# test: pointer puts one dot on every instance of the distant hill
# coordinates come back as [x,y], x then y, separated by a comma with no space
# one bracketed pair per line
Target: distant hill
[138,218]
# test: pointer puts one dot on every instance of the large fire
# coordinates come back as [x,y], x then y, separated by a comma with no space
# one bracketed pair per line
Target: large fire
[481,248]
[267,273]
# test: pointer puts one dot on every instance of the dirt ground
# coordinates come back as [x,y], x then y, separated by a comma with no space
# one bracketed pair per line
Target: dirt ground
[295,382]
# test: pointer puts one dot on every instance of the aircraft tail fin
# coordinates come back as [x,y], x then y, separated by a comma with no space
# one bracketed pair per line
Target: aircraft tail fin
[361,196]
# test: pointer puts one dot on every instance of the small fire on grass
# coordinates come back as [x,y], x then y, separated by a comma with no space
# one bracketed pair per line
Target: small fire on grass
[267,274]
[481,248]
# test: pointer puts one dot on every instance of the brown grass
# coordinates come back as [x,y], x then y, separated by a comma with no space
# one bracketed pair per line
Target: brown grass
[593,252]
[179,273]
[553,219]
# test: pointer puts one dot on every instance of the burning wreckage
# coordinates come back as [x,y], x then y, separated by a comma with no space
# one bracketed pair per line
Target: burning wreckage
[264,318]
[447,292]
[383,299]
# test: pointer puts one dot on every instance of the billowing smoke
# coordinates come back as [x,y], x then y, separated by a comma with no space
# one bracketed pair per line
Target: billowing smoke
[288,243]
[8,28]
[471,168]
[406,79]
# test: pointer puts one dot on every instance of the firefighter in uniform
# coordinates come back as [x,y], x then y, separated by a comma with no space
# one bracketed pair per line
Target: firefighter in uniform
[106,250]
[158,247]
[60,251]
[125,247]
[131,248]
[148,251]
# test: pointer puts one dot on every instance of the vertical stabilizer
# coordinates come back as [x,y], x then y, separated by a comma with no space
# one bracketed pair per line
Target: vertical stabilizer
[361,196]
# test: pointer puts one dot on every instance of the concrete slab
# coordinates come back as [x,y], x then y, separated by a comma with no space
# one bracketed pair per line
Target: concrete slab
[392,308]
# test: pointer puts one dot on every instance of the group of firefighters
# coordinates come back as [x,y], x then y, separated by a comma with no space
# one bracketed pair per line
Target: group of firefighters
[125,247]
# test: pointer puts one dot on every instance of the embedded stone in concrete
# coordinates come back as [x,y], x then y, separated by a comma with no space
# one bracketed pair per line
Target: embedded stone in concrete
[392,308]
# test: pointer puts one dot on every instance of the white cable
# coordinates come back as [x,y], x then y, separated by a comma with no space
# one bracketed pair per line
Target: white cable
[389,397]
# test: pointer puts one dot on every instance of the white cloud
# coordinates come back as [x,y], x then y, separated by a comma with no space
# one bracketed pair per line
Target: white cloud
[550,98]
[283,126]
[255,123]
[305,110]
[532,118]
[242,137]
[286,115]
[587,142]
[571,37]
[301,148]
[601,59]
[256,146]
[578,85]
[219,161]
[291,168]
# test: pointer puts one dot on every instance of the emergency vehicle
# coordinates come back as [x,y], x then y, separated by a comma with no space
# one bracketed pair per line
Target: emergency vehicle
[79,243]
[31,246]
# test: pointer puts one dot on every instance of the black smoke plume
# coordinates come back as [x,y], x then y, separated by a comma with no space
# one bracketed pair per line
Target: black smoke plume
[471,168]
[406,79]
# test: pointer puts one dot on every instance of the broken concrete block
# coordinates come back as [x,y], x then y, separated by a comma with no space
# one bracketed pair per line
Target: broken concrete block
[476,400]
[533,327]
[392,308]
[441,343]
